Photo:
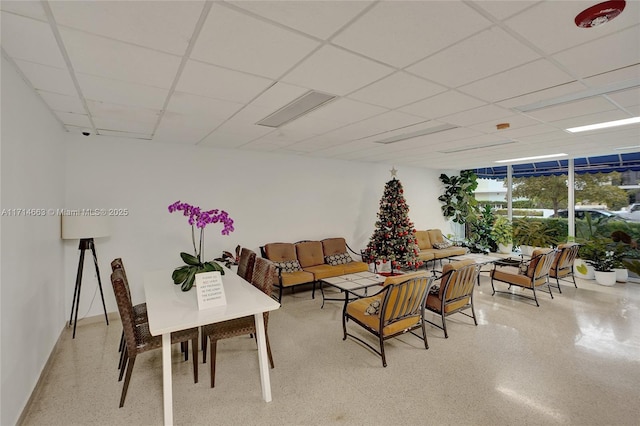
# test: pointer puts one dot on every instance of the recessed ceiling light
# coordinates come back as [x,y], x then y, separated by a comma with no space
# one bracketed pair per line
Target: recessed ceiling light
[604,125]
[537,157]
[622,148]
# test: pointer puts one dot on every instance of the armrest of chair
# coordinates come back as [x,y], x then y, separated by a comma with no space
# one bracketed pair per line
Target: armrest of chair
[354,252]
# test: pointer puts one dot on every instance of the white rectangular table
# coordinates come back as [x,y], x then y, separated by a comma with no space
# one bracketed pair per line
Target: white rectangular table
[171,309]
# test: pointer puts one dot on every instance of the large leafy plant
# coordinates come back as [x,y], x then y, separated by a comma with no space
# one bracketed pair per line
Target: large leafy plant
[459,202]
[502,231]
[186,274]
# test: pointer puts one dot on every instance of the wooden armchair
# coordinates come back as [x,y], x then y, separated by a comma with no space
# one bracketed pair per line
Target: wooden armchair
[455,293]
[562,266]
[530,275]
[395,310]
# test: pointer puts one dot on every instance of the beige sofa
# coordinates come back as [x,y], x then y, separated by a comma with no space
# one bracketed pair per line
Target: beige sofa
[434,246]
[307,262]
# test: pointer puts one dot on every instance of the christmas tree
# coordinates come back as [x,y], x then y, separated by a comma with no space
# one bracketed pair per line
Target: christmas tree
[394,238]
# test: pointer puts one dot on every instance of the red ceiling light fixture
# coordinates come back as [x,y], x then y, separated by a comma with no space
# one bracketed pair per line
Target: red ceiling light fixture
[600,13]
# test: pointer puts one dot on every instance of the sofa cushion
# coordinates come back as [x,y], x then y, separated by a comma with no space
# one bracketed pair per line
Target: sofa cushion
[325,271]
[424,242]
[278,252]
[331,246]
[338,259]
[297,277]
[309,253]
[355,266]
[442,245]
[289,265]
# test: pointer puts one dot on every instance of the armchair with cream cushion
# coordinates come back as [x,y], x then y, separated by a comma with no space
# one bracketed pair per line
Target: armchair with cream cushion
[530,275]
[455,293]
[397,309]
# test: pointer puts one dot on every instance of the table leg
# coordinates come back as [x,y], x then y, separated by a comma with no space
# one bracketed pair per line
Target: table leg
[167,390]
[263,358]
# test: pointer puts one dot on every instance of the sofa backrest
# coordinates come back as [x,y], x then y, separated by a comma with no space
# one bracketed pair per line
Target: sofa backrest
[435,236]
[309,253]
[280,252]
[332,246]
[424,243]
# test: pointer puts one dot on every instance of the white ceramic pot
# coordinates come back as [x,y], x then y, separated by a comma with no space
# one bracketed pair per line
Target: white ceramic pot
[505,248]
[622,275]
[583,270]
[526,250]
[605,278]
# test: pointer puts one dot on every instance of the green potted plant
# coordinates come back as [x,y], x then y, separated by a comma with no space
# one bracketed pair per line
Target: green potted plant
[502,234]
[529,234]
[602,258]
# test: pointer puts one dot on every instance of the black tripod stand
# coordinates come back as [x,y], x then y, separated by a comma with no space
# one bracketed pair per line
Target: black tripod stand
[85,244]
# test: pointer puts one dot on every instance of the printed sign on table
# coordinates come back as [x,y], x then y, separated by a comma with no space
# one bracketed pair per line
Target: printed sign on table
[210,290]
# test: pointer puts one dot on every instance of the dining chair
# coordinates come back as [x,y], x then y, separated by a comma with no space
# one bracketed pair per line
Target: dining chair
[396,309]
[265,277]
[138,338]
[139,310]
[455,292]
[246,263]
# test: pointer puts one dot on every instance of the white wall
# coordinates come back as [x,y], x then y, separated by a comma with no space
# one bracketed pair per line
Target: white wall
[32,309]
[270,197]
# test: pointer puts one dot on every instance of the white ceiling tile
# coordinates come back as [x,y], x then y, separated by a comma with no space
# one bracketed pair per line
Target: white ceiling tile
[80,120]
[377,126]
[614,51]
[490,51]
[188,104]
[336,71]
[119,125]
[627,98]
[524,79]
[388,32]
[318,18]
[612,77]
[278,95]
[118,92]
[113,112]
[108,58]
[584,120]
[478,115]
[258,47]
[344,111]
[559,31]
[548,94]
[443,104]
[63,103]
[233,136]
[503,9]
[161,25]
[51,79]
[397,90]
[208,80]
[124,134]
[31,9]
[174,132]
[516,123]
[572,109]
[30,40]
[200,122]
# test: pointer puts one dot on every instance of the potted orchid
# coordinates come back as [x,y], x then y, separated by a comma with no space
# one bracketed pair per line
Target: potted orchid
[186,274]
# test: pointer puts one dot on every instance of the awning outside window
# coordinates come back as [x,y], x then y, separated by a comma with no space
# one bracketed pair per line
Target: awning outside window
[601,164]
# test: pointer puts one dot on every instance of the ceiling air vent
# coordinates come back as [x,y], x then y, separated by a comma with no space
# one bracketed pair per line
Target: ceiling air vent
[296,109]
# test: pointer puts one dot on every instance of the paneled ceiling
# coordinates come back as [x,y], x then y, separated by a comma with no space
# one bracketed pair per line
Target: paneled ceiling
[205,72]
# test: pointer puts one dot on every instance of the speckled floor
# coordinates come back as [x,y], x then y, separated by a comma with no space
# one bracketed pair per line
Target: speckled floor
[574,360]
